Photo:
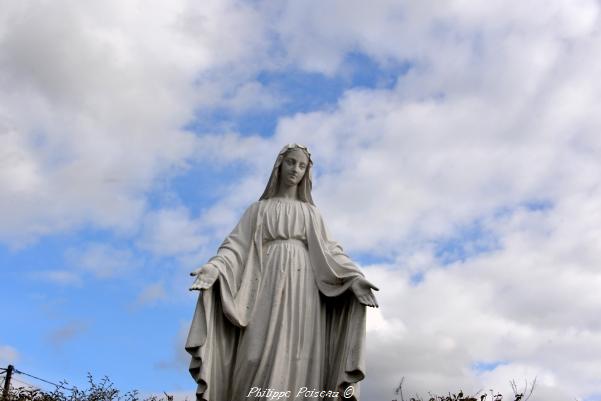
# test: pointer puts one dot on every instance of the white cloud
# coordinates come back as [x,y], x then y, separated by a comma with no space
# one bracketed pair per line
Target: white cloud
[62,277]
[180,359]
[169,232]
[8,354]
[252,96]
[531,303]
[497,115]
[94,97]
[151,294]
[101,260]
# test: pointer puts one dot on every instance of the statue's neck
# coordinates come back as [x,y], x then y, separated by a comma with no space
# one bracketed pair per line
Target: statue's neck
[288,192]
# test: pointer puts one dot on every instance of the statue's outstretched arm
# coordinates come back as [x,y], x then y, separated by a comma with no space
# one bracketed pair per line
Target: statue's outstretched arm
[231,255]
[340,267]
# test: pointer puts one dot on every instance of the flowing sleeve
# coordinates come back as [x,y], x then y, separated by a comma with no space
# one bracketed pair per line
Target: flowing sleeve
[233,252]
[334,270]
[224,308]
[238,261]
[334,273]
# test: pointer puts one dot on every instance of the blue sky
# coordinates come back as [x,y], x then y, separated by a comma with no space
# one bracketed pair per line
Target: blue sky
[456,157]
[74,326]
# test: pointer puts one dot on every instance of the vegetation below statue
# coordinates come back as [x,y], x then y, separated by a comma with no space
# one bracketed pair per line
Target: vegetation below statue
[105,391]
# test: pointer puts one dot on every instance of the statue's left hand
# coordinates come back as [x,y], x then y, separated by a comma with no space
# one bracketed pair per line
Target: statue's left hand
[363,291]
[205,277]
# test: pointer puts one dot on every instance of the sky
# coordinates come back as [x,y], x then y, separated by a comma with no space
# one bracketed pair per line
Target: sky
[456,150]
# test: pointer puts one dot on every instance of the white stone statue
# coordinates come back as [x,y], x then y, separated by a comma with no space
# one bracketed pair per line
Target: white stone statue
[282,309]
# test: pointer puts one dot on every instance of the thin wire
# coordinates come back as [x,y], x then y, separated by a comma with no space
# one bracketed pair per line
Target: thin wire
[44,380]
[25,383]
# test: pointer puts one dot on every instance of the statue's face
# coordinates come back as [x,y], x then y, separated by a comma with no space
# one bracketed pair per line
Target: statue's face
[293,167]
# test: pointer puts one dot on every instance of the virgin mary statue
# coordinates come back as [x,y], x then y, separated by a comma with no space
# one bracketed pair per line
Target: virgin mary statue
[281,314]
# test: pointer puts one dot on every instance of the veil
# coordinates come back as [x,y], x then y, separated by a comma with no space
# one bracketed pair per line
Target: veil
[304,187]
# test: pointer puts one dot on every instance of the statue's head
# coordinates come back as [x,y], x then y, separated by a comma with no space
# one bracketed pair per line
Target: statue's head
[292,167]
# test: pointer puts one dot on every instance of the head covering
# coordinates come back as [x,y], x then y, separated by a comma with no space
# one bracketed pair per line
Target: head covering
[304,186]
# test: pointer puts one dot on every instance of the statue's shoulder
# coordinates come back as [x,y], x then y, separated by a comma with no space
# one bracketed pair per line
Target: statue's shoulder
[251,211]
[313,210]
[255,206]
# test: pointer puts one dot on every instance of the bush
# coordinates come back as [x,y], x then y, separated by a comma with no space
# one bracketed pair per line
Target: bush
[96,391]
[522,395]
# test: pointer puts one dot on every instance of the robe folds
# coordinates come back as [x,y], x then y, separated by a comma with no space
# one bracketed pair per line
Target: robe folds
[281,315]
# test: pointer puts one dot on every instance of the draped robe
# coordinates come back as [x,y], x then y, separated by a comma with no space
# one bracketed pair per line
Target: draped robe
[225,312]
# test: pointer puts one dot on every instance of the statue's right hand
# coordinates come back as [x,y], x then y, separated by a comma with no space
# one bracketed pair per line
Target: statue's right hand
[205,277]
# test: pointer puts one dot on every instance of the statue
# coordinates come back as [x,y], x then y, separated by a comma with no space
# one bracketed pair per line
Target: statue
[282,309]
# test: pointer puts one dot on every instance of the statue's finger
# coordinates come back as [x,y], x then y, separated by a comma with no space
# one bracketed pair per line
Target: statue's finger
[367,300]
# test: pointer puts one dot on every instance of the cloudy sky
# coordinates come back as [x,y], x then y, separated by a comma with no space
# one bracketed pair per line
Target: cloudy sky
[456,148]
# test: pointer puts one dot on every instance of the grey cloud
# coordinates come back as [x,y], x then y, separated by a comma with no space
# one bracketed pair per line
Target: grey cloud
[67,332]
